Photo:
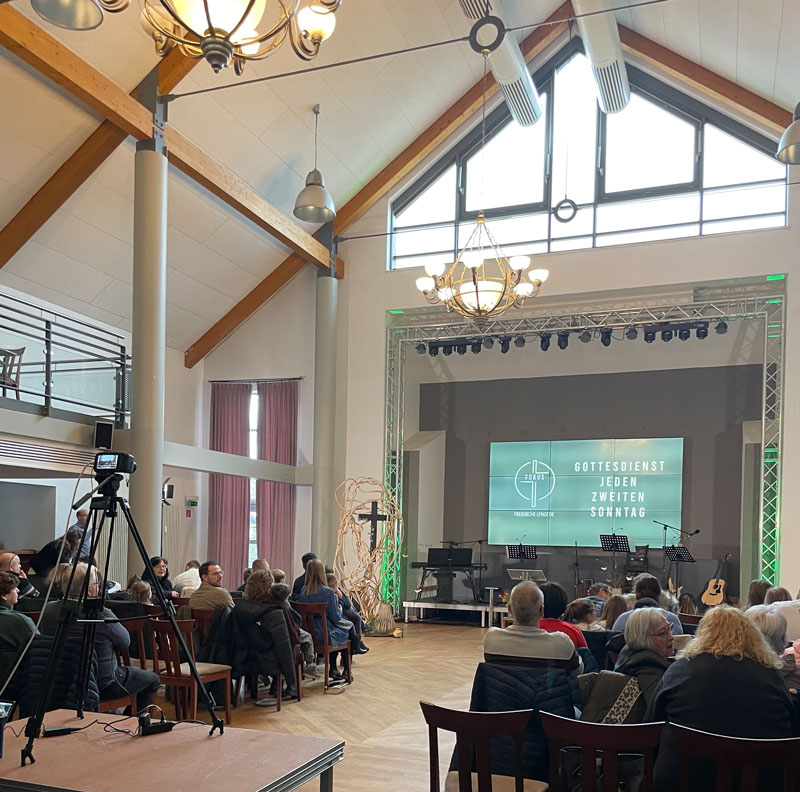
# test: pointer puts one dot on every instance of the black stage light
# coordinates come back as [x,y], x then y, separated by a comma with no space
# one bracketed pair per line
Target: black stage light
[447,349]
[476,347]
[505,343]
[563,339]
[631,334]
[544,342]
[649,336]
[420,349]
[488,342]
[702,331]
[605,336]
[666,335]
[461,349]
[722,328]
[433,351]
[519,342]
[684,333]
[585,337]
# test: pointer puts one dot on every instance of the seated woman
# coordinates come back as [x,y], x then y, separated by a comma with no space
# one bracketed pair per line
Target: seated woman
[615,606]
[772,624]
[15,628]
[340,630]
[161,579]
[555,603]
[777,594]
[348,611]
[757,592]
[645,658]
[266,646]
[582,614]
[727,682]
[299,637]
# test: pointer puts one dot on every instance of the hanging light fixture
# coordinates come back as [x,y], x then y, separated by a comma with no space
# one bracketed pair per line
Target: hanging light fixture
[222,31]
[789,146]
[77,14]
[482,282]
[314,204]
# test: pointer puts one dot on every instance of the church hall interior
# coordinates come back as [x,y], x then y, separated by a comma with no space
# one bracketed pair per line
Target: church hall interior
[447,296]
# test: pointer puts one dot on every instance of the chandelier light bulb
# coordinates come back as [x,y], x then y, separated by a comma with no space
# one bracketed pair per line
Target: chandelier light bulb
[523,289]
[315,22]
[225,16]
[425,283]
[519,263]
[435,268]
[539,275]
[445,294]
[482,299]
[472,258]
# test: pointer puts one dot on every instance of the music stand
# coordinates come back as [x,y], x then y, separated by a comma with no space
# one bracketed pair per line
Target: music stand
[678,555]
[614,543]
[521,552]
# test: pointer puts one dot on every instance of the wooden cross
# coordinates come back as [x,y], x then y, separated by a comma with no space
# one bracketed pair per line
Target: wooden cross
[373,518]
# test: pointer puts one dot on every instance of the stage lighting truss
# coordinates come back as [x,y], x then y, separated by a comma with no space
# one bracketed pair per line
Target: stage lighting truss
[703,316]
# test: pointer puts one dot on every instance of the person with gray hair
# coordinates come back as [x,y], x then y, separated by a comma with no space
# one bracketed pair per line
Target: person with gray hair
[524,638]
[772,624]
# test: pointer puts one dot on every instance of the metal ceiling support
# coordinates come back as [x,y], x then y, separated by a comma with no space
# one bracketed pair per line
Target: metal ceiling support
[766,309]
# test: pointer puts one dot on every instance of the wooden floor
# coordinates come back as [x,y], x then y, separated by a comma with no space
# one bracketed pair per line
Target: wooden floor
[378,716]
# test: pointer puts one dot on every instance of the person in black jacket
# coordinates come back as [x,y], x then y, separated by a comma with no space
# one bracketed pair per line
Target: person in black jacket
[727,682]
[161,579]
[297,586]
[262,640]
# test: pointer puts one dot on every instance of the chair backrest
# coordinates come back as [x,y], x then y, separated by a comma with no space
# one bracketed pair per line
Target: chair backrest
[154,610]
[689,618]
[610,740]
[307,611]
[474,728]
[203,618]
[178,601]
[166,648]
[136,628]
[737,753]
[10,364]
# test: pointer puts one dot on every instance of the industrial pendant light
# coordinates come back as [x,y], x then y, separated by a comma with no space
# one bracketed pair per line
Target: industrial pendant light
[314,203]
[76,14]
[789,147]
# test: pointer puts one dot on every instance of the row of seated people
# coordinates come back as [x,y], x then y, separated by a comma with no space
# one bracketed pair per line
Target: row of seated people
[736,676]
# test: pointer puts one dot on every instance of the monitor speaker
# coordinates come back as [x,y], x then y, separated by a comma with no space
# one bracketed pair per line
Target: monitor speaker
[103,434]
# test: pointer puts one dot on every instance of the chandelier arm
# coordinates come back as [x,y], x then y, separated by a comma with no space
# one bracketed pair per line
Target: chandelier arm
[176,18]
[247,10]
[208,19]
[265,53]
[298,41]
[114,6]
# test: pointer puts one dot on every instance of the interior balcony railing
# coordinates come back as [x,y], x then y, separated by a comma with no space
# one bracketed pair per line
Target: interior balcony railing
[59,366]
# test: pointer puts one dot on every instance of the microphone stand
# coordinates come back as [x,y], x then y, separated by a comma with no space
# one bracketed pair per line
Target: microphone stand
[577,566]
[479,542]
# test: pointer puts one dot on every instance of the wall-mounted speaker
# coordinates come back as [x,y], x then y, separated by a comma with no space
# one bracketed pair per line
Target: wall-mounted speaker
[103,434]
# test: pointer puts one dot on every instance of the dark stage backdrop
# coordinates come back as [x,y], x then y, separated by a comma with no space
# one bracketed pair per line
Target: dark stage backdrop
[705,406]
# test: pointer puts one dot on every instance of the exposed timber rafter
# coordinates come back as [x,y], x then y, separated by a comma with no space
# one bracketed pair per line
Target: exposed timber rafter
[41,51]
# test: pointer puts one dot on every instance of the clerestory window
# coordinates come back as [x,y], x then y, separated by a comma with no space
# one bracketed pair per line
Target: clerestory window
[666,166]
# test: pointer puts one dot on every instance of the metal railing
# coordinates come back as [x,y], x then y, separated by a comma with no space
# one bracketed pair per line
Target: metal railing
[61,364]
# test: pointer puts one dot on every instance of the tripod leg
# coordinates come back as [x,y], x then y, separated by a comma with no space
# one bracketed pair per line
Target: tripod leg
[169,611]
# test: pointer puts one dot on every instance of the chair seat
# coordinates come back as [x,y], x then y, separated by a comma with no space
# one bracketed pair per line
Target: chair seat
[500,783]
[205,668]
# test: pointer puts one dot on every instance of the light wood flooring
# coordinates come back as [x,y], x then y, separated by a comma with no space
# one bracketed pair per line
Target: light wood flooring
[378,716]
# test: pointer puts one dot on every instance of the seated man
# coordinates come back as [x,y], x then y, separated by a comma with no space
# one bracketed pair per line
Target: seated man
[189,580]
[647,586]
[15,628]
[113,681]
[599,594]
[297,586]
[210,595]
[524,638]
[9,562]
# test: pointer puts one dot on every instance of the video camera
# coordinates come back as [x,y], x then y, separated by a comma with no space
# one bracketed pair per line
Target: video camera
[106,464]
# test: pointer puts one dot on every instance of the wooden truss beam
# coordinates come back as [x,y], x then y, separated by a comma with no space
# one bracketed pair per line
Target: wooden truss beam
[41,51]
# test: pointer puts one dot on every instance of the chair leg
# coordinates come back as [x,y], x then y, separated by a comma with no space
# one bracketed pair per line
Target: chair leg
[299,672]
[278,691]
[237,691]
[193,700]
[228,699]
[348,666]
[327,669]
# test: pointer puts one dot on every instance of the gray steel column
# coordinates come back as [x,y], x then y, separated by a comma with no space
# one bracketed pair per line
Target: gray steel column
[149,329]
[324,518]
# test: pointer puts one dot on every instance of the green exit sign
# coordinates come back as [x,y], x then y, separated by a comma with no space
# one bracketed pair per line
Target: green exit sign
[191,503]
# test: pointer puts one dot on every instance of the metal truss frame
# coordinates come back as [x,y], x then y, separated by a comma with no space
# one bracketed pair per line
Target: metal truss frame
[767,309]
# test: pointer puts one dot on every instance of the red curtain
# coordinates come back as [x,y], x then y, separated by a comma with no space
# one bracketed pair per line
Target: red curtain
[275,502]
[229,496]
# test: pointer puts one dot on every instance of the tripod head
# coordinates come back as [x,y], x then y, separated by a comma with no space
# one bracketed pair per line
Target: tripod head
[108,486]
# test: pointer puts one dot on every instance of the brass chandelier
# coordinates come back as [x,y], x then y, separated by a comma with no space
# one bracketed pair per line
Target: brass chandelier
[482,282]
[225,31]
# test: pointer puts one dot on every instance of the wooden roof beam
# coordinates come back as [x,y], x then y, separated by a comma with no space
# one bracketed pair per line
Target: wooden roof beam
[89,156]
[397,169]
[38,49]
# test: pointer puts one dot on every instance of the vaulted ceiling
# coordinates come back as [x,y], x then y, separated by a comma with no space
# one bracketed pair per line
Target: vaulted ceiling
[82,257]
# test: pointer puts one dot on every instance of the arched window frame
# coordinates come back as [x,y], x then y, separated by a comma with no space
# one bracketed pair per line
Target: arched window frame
[649,87]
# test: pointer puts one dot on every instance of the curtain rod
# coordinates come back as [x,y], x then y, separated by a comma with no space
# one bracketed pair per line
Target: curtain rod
[256,381]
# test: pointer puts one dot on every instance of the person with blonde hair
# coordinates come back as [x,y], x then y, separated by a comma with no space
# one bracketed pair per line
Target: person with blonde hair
[615,606]
[726,681]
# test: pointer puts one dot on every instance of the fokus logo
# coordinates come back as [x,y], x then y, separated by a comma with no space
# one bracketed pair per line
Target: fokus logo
[534,481]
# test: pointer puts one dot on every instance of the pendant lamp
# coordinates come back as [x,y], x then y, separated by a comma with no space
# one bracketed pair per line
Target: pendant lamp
[314,204]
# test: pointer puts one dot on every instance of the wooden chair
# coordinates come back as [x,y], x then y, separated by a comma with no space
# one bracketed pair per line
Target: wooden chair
[166,650]
[610,740]
[136,628]
[179,601]
[689,618]
[203,618]
[123,703]
[731,754]
[154,610]
[10,365]
[478,727]
[34,616]
[307,611]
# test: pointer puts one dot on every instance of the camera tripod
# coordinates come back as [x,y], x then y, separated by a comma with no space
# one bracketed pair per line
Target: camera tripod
[89,610]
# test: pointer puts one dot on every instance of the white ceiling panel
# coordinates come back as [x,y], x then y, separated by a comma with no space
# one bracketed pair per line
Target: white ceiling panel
[757,52]
[103,208]
[117,299]
[682,28]
[12,199]
[248,250]
[191,295]
[189,211]
[186,326]
[719,35]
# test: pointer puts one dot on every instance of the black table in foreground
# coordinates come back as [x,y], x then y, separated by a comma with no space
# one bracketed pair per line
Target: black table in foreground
[187,758]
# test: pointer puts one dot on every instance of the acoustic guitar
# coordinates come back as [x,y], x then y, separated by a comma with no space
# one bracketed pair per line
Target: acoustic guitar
[715,593]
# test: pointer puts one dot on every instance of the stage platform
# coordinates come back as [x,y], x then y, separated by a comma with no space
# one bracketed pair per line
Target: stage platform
[487,612]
